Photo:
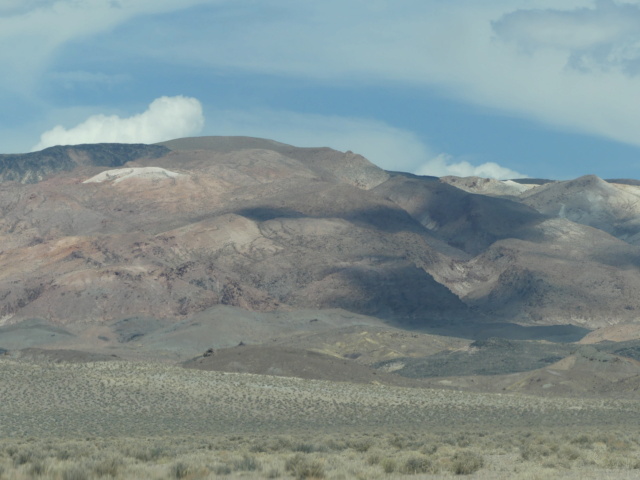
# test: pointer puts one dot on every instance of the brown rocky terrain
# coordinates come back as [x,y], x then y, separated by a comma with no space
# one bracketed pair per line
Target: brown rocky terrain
[248,228]
[163,251]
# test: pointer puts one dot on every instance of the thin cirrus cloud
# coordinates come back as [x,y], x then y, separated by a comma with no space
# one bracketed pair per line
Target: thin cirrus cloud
[71,79]
[36,29]
[491,54]
[604,27]
[166,118]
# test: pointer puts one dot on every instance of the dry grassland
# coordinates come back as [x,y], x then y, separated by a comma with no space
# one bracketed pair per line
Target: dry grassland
[127,420]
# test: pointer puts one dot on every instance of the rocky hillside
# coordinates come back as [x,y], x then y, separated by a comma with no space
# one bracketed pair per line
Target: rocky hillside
[95,234]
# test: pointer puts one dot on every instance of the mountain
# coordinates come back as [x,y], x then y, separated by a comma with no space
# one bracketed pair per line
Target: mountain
[523,264]
[589,200]
[172,236]
[93,235]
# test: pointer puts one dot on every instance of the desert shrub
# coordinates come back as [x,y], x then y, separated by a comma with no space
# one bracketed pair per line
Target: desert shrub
[336,445]
[302,468]
[247,463]
[303,447]
[374,458]
[75,472]
[37,468]
[416,464]
[107,467]
[584,441]
[276,444]
[25,456]
[222,469]
[466,463]
[569,453]
[399,442]
[388,465]
[621,462]
[63,454]
[463,440]
[615,443]
[259,447]
[361,446]
[179,470]
[535,451]
[449,440]
[11,450]
[146,454]
[429,448]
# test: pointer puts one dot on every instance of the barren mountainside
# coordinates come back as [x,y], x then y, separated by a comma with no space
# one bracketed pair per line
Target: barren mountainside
[95,234]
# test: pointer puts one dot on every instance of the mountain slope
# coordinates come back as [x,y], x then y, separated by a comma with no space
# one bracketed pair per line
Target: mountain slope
[172,230]
[250,228]
[589,200]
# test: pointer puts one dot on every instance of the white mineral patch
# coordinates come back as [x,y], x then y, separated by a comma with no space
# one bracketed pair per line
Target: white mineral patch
[120,174]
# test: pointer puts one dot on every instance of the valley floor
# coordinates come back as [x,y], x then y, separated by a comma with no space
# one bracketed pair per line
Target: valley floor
[135,420]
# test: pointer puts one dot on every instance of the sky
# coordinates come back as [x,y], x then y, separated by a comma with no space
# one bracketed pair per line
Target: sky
[498,88]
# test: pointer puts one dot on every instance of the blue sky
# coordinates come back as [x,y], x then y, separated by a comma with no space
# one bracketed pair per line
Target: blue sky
[501,88]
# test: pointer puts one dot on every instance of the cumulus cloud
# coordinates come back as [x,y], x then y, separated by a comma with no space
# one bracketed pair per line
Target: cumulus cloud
[443,165]
[166,118]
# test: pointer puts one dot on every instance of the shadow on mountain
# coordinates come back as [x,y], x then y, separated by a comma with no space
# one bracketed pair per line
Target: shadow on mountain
[379,217]
[396,291]
[31,332]
[262,214]
[290,362]
[467,221]
[511,331]
[494,356]
[624,257]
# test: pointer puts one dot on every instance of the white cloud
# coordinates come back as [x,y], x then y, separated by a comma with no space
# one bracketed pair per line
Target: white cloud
[165,119]
[72,79]
[452,46]
[14,7]
[388,147]
[604,24]
[32,30]
[604,37]
[444,165]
